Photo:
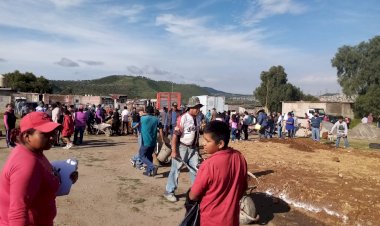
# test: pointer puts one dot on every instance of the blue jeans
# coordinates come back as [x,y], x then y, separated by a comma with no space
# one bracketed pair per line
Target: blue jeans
[136,158]
[190,156]
[79,130]
[135,130]
[338,142]
[279,131]
[315,134]
[146,157]
[290,133]
[233,134]
[268,133]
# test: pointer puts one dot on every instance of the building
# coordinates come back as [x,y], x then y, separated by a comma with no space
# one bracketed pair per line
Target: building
[331,108]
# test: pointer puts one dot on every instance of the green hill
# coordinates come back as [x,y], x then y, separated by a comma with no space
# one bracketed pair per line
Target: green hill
[135,87]
[132,86]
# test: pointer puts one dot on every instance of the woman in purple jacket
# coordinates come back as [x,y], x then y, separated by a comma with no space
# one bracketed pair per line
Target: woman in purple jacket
[80,125]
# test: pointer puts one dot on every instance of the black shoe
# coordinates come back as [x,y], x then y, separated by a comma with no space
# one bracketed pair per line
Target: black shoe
[154,171]
[148,174]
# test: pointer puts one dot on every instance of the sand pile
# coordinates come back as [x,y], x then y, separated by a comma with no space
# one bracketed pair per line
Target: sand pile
[365,132]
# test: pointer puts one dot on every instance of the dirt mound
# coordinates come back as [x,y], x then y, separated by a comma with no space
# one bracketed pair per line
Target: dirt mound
[365,131]
[302,144]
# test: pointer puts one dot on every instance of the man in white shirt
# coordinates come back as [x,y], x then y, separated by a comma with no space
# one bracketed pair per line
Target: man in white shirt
[56,112]
[124,119]
[55,117]
[246,122]
[185,145]
[341,131]
[279,124]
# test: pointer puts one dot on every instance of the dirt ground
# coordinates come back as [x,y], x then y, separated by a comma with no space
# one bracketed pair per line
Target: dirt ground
[300,183]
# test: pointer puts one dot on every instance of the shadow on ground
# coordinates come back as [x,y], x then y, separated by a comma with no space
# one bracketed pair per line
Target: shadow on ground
[275,210]
[100,143]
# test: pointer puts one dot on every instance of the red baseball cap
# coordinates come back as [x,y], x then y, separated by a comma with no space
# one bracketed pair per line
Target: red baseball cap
[39,121]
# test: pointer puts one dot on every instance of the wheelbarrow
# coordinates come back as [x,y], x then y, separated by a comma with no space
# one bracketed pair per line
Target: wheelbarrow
[103,128]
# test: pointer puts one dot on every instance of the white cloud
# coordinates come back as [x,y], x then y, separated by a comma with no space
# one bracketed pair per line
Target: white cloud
[66,3]
[131,12]
[261,9]
[168,5]
[195,32]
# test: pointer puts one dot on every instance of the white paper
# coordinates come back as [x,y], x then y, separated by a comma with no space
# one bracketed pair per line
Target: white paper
[65,169]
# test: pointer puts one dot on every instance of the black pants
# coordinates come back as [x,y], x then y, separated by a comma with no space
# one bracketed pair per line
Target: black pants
[245,130]
[8,134]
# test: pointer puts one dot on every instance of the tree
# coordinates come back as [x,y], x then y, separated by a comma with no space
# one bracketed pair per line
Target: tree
[275,88]
[368,103]
[27,82]
[358,73]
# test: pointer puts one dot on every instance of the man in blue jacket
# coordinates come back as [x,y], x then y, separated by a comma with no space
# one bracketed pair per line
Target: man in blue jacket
[263,122]
[149,126]
[316,126]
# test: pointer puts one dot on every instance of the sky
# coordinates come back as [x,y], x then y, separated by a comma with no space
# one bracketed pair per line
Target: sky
[222,44]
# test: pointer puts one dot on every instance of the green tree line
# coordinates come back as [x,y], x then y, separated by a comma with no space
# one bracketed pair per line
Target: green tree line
[27,82]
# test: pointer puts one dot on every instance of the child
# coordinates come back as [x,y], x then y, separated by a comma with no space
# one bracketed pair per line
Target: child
[68,129]
[290,125]
[221,180]
[234,125]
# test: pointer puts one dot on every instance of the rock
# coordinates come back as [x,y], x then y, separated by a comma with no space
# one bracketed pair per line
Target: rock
[340,175]
[336,159]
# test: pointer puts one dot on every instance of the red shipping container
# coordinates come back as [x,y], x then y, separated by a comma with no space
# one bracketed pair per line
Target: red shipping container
[166,99]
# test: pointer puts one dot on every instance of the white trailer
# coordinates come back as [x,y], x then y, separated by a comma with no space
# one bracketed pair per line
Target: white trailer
[210,102]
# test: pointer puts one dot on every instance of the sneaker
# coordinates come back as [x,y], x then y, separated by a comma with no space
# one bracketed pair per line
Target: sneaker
[70,145]
[65,147]
[170,197]
[133,162]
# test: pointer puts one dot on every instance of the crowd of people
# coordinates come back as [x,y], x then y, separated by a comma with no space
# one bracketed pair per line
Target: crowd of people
[34,182]
[184,129]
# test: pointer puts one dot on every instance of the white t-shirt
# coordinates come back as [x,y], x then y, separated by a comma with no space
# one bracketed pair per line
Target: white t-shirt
[187,129]
[55,113]
[124,115]
[341,128]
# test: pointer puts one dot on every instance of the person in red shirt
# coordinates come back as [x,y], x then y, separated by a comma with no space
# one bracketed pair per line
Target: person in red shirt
[9,123]
[28,182]
[68,129]
[221,180]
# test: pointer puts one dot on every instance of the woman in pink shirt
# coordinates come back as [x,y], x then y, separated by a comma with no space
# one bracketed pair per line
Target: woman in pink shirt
[28,183]
[234,127]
